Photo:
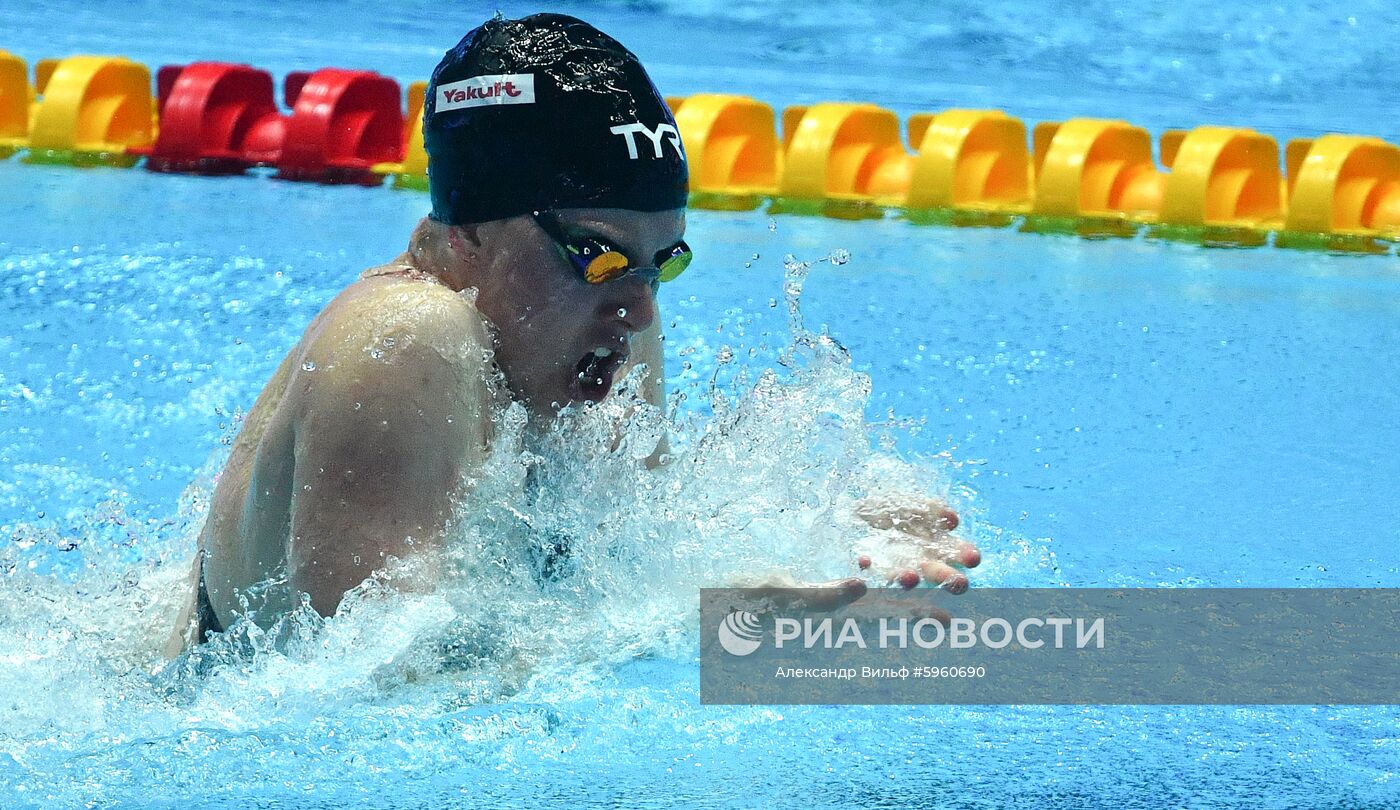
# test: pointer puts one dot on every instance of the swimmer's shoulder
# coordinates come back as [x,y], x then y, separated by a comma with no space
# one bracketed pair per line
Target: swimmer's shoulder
[396,306]
[402,331]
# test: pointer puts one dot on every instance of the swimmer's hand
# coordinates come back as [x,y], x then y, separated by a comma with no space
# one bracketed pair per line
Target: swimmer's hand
[915,542]
[782,592]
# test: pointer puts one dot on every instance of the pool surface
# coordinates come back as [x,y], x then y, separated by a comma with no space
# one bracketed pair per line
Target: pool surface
[1121,412]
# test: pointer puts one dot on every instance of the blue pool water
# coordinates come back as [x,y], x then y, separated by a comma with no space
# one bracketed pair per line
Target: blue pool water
[1111,412]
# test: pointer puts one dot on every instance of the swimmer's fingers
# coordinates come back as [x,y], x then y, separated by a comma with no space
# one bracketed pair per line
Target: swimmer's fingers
[933,563]
[945,576]
[953,551]
[821,597]
[893,605]
[923,517]
[934,573]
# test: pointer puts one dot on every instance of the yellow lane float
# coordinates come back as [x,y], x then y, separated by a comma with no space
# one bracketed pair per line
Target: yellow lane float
[969,161]
[1094,176]
[15,97]
[1224,185]
[1342,186]
[89,110]
[731,146]
[843,153]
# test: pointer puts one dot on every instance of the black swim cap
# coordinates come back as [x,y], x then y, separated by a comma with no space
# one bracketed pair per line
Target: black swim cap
[547,112]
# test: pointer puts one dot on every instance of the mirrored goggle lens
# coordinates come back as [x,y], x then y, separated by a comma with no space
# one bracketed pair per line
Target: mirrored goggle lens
[676,263]
[604,267]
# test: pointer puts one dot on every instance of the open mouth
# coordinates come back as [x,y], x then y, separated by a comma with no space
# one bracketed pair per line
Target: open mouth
[593,374]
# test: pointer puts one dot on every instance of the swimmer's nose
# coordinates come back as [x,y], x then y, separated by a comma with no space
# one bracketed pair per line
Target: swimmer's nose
[636,302]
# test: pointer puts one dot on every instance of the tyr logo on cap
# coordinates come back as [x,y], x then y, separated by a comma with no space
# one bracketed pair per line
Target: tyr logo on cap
[629,131]
[480,91]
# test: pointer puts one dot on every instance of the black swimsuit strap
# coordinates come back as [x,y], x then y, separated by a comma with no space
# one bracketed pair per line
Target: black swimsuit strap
[204,610]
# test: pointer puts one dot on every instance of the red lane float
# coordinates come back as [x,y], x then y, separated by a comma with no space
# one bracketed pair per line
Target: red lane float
[212,115]
[343,123]
[219,118]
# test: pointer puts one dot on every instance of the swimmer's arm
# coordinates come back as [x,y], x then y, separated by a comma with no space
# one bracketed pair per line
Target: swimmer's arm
[381,446]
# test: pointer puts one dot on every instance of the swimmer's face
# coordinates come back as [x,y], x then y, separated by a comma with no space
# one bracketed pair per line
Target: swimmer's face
[561,339]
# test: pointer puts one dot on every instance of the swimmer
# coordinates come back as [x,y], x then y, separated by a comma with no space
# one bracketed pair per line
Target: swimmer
[558,184]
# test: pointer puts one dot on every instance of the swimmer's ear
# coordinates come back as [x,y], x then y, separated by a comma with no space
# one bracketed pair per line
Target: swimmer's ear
[463,245]
[464,238]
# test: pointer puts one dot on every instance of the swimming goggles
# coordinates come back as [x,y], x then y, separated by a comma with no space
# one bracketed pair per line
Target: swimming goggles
[599,262]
